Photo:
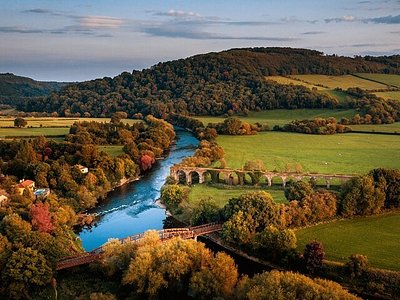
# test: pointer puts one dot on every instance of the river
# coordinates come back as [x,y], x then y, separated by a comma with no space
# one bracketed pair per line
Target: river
[130,209]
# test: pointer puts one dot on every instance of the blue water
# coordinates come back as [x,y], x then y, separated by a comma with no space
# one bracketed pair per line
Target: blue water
[130,209]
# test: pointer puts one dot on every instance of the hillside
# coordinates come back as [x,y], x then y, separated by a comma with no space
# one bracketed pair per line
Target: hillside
[211,84]
[14,88]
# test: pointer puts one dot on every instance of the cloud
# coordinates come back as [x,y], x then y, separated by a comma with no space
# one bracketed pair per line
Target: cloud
[346,18]
[187,33]
[100,22]
[178,14]
[18,29]
[38,11]
[313,32]
[385,20]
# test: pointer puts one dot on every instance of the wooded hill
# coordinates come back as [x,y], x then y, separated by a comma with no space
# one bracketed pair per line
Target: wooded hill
[230,82]
[16,88]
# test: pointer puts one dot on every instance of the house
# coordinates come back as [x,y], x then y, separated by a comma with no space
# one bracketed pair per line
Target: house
[41,193]
[23,184]
[3,197]
[82,169]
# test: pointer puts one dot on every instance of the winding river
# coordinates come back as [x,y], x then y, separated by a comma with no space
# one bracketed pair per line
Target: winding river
[130,209]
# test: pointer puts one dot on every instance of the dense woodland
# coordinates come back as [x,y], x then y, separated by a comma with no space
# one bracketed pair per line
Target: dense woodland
[229,82]
[15,88]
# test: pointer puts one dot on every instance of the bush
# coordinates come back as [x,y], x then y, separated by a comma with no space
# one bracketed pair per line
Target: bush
[357,265]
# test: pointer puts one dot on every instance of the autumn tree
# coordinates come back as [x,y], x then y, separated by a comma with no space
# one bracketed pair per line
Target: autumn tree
[41,217]
[172,195]
[313,255]
[297,190]
[206,211]
[289,286]
[146,162]
[20,122]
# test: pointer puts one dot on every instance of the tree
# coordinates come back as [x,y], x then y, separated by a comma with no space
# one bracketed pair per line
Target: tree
[277,241]
[256,167]
[146,161]
[27,267]
[298,190]
[313,255]
[206,211]
[41,217]
[180,267]
[118,116]
[249,214]
[20,122]
[172,195]
[359,196]
[289,286]
[357,265]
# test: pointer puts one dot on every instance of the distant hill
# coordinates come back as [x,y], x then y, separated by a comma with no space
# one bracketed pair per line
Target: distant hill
[231,81]
[13,88]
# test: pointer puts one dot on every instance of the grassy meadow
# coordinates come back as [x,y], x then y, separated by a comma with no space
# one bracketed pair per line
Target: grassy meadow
[390,128]
[283,116]
[221,194]
[350,153]
[344,81]
[387,79]
[373,236]
[395,95]
[45,126]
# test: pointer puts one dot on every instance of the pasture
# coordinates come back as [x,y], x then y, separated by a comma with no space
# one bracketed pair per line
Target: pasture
[221,194]
[344,81]
[390,128]
[387,79]
[283,116]
[376,237]
[349,153]
[55,122]
[395,95]
[36,131]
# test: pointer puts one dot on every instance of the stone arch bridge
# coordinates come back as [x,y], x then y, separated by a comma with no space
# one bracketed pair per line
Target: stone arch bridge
[190,175]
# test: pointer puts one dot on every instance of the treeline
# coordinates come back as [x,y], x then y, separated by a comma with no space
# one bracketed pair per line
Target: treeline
[185,269]
[228,82]
[315,126]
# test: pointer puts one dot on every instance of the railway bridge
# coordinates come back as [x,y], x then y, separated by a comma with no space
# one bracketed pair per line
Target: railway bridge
[190,175]
[165,234]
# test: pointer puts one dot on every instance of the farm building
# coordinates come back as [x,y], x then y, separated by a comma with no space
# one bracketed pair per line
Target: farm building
[82,169]
[23,184]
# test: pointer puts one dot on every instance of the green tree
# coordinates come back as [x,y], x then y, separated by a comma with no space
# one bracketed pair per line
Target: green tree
[297,190]
[206,211]
[27,267]
[172,195]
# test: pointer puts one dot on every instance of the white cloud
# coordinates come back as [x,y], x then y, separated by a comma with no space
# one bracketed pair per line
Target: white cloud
[347,18]
[100,22]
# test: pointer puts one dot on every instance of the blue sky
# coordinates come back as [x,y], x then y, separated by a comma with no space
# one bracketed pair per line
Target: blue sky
[78,40]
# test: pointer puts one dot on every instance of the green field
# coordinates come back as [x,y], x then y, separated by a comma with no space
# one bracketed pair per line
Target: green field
[221,195]
[350,153]
[377,237]
[387,79]
[284,116]
[113,150]
[343,81]
[56,122]
[21,132]
[392,128]
[395,95]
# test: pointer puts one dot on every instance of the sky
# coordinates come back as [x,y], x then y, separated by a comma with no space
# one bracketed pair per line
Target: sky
[75,40]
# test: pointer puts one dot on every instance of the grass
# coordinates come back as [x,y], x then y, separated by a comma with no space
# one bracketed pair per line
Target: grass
[21,132]
[287,80]
[350,153]
[376,236]
[56,122]
[284,116]
[391,128]
[221,195]
[395,95]
[387,79]
[113,150]
[343,81]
